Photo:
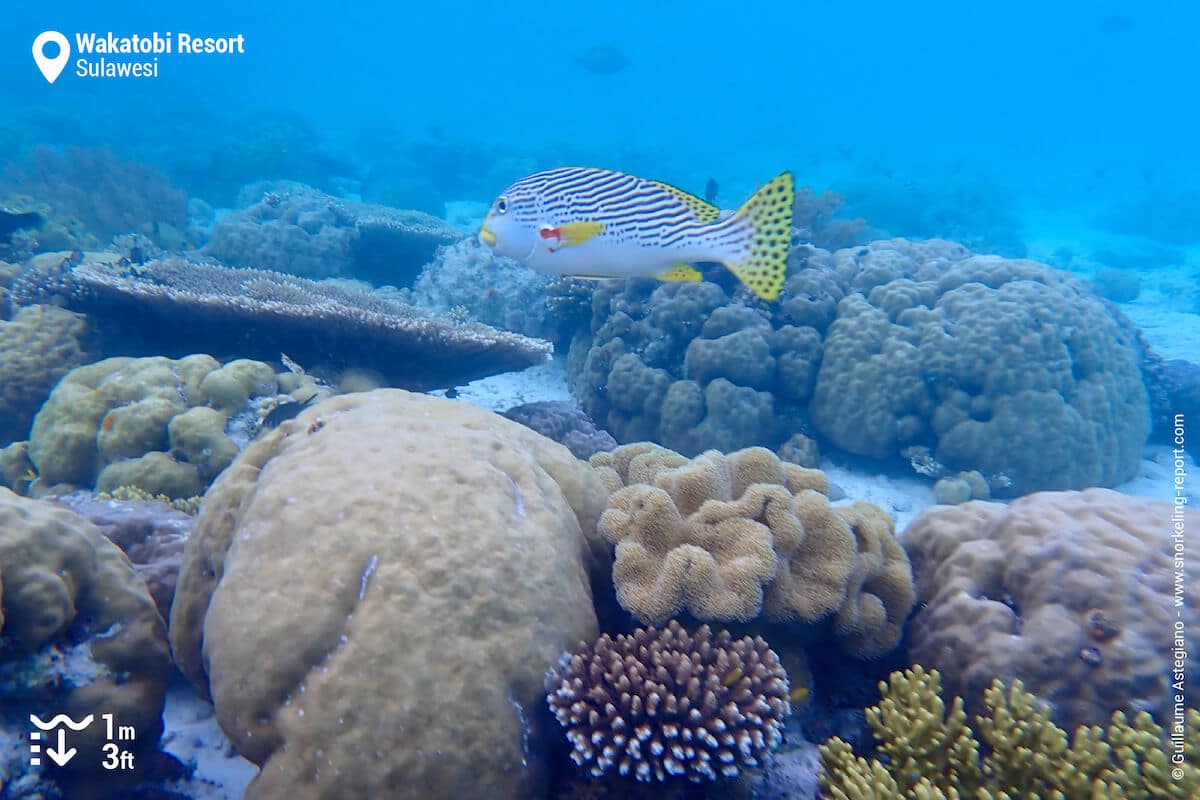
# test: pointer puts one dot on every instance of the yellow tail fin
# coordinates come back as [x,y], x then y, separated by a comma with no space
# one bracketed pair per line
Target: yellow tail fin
[769,212]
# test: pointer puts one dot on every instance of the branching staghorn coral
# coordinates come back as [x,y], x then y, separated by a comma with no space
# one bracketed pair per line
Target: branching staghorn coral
[930,753]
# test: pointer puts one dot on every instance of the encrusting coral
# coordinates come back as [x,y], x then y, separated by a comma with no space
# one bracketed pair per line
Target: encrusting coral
[730,537]
[655,705]
[1014,753]
[1073,593]
[180,306]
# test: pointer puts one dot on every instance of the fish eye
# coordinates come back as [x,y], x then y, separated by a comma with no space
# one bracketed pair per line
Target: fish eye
[501,205]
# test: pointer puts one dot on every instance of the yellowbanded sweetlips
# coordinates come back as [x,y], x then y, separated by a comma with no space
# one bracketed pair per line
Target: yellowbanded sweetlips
[596,223]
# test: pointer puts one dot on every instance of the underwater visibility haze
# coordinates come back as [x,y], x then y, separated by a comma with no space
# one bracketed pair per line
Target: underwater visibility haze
[632,400]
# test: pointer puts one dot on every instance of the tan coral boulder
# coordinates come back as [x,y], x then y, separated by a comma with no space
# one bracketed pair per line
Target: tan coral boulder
[374,591]
[79,630]
[1071,593]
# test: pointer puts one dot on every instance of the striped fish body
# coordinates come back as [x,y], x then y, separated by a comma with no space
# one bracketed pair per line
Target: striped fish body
[603,224]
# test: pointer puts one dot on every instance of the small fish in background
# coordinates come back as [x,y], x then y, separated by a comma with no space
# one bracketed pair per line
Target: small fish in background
[596,223]
[711,191]
[289,409]
[603,60]
[1116,23]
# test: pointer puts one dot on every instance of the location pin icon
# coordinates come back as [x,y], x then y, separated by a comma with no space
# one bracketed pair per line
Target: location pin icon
[51,67]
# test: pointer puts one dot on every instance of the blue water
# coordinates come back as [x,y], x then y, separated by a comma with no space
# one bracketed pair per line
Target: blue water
[1066,115]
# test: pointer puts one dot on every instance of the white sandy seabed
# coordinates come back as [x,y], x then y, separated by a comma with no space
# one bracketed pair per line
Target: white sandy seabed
[192,732]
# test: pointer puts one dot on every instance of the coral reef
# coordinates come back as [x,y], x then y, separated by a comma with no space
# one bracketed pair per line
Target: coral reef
[930,753]
[144,423]
[388,633]
[106,195]
[730,537]
[292,228]
[150,532]
[1014,592]
[656,705]
[566,424]
[1000,366]
[81,634]
[493,289]
[815,218]
[682,365]
[180,307]
[38,345]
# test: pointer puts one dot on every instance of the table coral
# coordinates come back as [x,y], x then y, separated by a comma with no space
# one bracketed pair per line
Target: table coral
[374,590]
[1012,592]
[71,598]
[733,537]
[1015,751]
[182,306]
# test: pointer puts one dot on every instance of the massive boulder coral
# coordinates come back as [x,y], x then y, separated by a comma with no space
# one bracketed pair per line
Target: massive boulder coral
[996,365]
[374,590]
[730,537]
[175,306]
[1071,593]
[81,634]
[1002,366]
[38,345]
[687,366]
[154,423]
[293,228]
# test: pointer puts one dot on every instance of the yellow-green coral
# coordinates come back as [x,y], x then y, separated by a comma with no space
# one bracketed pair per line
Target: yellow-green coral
[188,505]
[1015,752]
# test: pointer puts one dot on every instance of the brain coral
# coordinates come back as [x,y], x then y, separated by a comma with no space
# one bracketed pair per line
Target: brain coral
[996,365]
[374,590]
[1069,592]
[730,537]
[80,631]
[137,422]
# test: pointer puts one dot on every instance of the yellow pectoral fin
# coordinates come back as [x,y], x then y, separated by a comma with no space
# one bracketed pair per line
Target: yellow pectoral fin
[574,233]
[681,272]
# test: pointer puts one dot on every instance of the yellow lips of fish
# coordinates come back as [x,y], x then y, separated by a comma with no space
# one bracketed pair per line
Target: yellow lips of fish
[486,236]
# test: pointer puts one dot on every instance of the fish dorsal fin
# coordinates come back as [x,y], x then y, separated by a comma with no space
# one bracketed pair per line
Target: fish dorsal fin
[705,212]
